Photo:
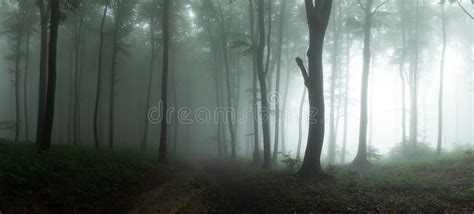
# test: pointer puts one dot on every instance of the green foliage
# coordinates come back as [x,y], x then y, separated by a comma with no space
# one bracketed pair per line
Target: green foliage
[407,150]
[290,162]
[373,153]
[67,173]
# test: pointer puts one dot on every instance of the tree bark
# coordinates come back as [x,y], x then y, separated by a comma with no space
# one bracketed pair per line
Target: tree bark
[361,158]
[99,80]
[163,150]
[44,10]
[317,14]
[263,87]
[256,139]
[51,80]
[278,80]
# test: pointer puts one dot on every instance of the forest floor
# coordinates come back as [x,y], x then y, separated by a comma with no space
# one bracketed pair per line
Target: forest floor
[431,186]
[74,180]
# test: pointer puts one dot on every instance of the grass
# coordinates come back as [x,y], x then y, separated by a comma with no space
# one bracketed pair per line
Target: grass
[66,176]
[444,184]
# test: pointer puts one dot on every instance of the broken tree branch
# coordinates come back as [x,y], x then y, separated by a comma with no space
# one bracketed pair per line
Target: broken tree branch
[300,63]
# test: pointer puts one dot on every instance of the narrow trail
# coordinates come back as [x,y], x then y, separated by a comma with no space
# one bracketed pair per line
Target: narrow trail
[181,194]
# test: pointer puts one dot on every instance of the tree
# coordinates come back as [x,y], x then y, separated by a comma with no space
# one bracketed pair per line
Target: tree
[441,81]
[150,11]
[263,86]
[256,133]
[123,10]
[44,9]
[361,158]
[278,77]
[317,14]
[163,151]
[99,77]
[51,80]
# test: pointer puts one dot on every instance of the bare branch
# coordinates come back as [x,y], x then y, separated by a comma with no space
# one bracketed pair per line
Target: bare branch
[300,63]
[361,5]
[464,9]
[378,7]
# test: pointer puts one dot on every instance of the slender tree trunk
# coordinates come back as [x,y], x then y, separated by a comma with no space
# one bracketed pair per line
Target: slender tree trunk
[334,77]
[112,83]
[25,86]
[318,14]
[263,87]
[300,123]
[361,158]
[51,86]
[441,82]
[414,87]
[278,80]
[19,37]
[285,101]
[346,98]
[402,71]
[99,80]
[163,150]
[77,46]
[44,10]
[176,122]
[153,54]
[256,138]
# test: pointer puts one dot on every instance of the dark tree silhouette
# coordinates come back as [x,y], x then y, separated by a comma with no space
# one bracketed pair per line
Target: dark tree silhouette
[163,151]
[317,13]
[51,80]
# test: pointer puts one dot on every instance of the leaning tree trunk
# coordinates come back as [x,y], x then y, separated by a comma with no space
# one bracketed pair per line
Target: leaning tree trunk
[441,83]
[51,80]
[99,80]
[263,87]
[317,14]
[43,70]
[163,150]
[361,158]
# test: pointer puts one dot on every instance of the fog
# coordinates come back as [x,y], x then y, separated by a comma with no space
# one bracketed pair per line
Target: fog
[192,75]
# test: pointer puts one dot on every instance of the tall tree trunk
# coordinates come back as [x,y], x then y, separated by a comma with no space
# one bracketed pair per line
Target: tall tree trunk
[263,87]
[278,77]
[346,97]
[112,79]
[99,80]
[51,86]
[256,138]
[77,46]
[402,70]
[19,36]
[163,150]
[441,82]
[25,86]
[44,10]
[300,123]
[153,54]
[334,76]
[414,86]
[361,158]
[318,14]
[285,100]
[230,116]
